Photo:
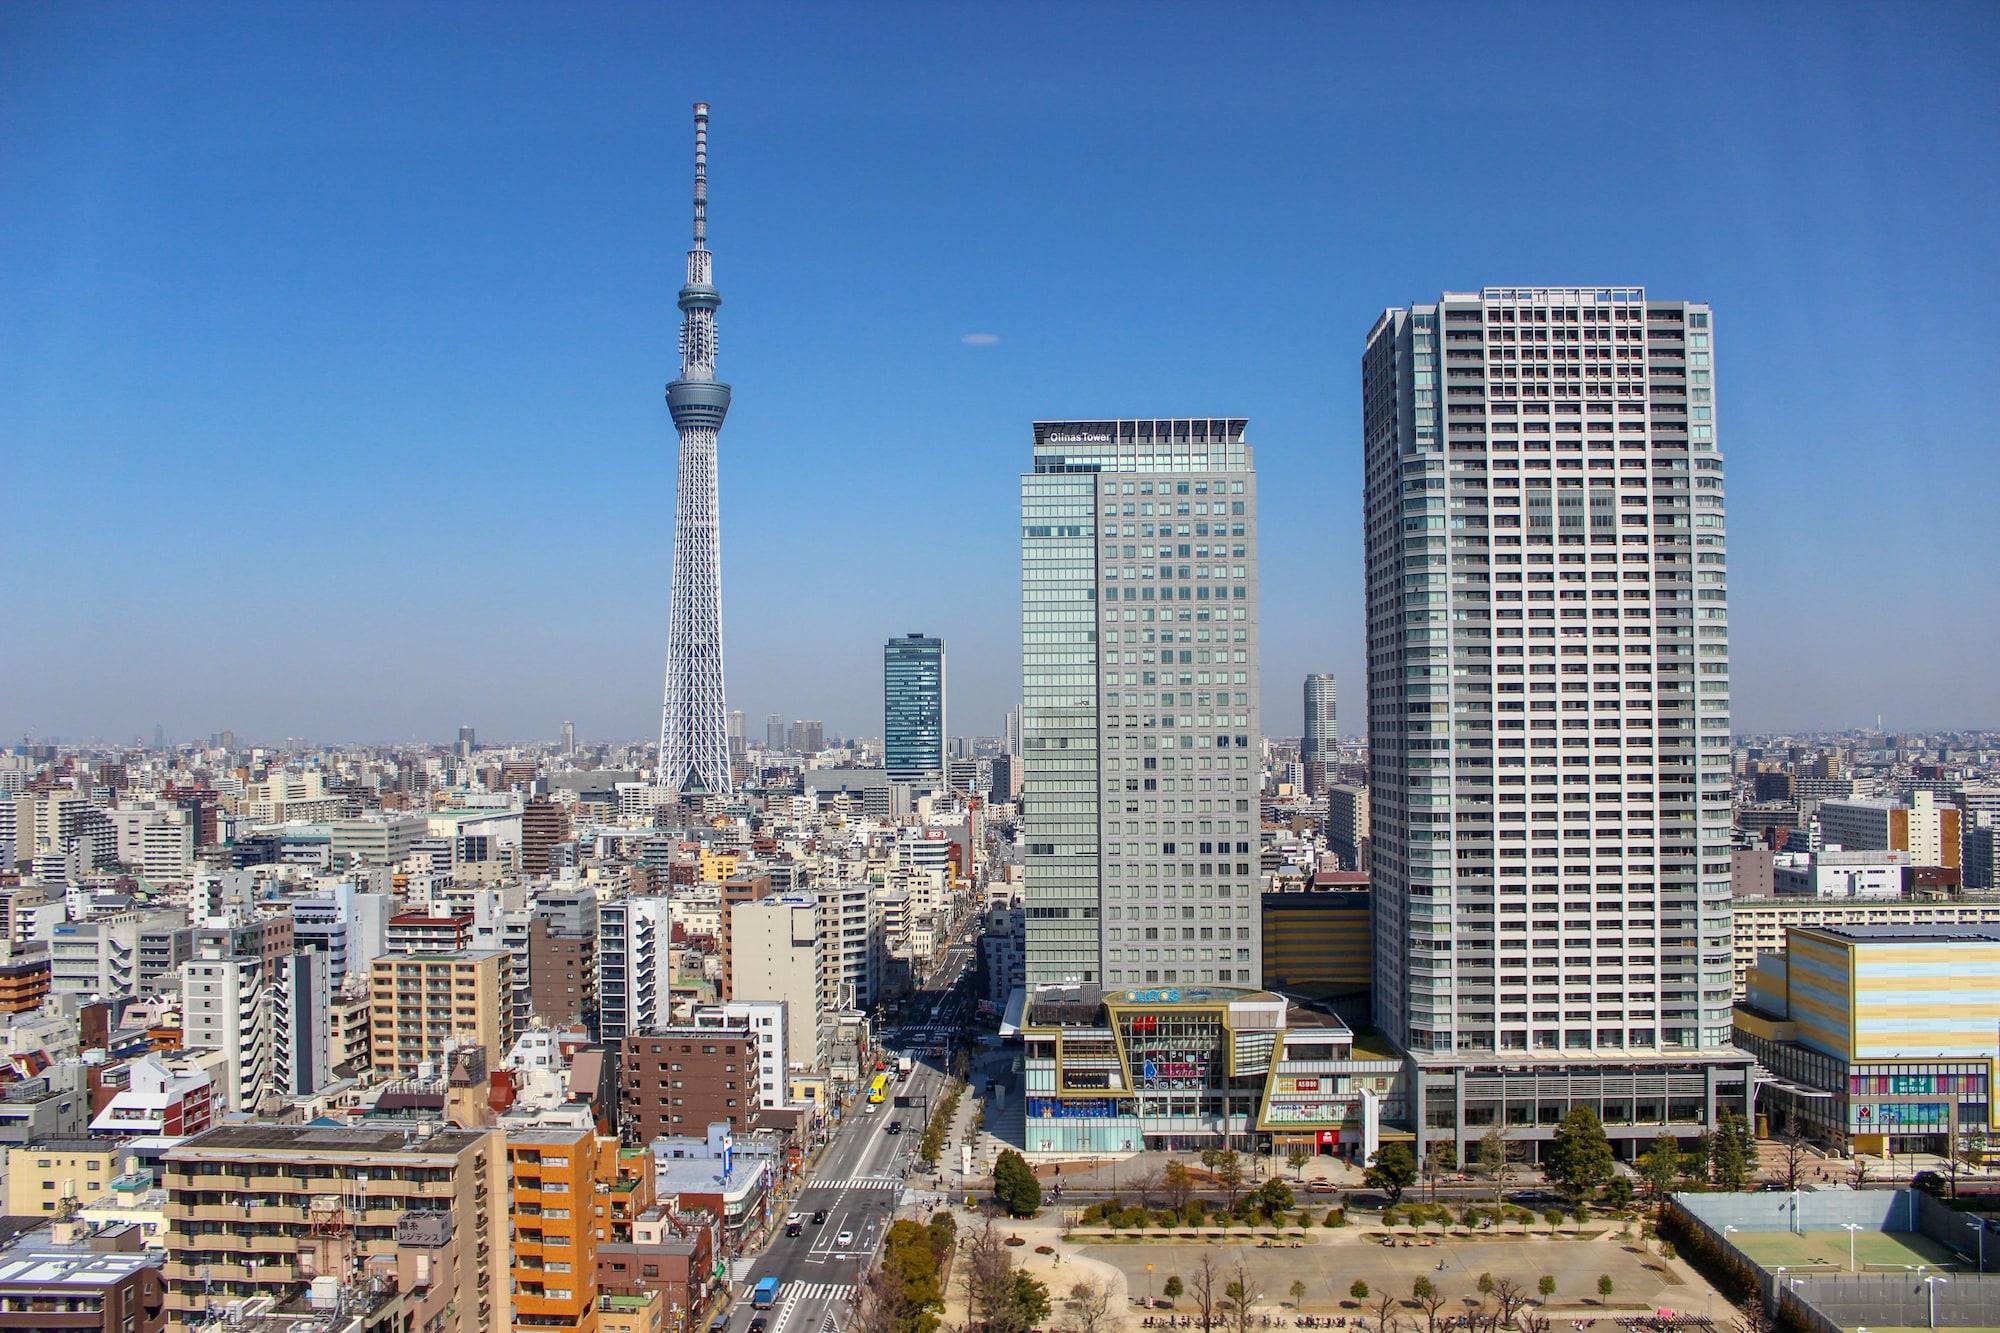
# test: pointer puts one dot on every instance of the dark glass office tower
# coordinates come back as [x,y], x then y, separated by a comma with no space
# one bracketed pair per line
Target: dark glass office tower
[913,708]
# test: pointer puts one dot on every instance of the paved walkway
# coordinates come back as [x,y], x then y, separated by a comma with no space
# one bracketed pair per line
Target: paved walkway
[1331,1260]
[1123,1174]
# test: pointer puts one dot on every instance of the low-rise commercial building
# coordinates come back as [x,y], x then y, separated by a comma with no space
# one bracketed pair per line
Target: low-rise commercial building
[376,840]
[1882,1038]
[1839,874]
[1180,1069]
[95,958]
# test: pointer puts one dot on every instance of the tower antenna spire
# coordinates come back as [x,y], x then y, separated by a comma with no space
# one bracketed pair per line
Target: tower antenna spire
[701,175]
[694,742]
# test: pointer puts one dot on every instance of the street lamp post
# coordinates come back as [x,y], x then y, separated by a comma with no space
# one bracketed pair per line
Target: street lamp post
[1980,1227]
[1930,1290]
[1851,1228]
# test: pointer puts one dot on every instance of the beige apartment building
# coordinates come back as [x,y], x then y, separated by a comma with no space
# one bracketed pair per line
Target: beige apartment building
[1761,923]
[421,1004]
[285,796]
[376,839]
[397,1215]
[55,1177]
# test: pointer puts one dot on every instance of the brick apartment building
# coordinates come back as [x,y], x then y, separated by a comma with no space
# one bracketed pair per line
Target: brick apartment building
[681,1080]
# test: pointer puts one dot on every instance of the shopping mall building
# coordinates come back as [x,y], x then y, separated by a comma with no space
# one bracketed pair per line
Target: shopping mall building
[1184,1068]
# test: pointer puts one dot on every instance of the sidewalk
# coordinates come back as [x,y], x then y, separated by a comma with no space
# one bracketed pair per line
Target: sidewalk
[1124,1173]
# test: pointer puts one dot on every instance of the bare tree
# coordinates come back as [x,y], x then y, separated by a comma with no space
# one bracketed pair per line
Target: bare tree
[1792,1158]
[1967,1152]
[1509,1297]
[1388,1315]
[1533,1321]
[1857,1172]
[1429,1299]
[1178,1182]
[1206,1289]
[1242,1297]
[1087,1309]
[1756,1319]
[1229,1174]
[1146,1186]
[882,1305]
[987,1275]
[1496,1160]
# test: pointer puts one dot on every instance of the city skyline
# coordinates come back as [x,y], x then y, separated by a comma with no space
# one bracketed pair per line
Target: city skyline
[382,306]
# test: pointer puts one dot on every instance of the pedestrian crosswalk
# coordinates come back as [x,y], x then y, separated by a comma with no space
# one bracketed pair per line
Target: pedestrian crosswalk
[857,1183]
[818,1291]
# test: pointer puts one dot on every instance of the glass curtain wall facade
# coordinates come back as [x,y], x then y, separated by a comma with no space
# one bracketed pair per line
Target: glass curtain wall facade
[1140,703]
[1548,698]
[913,733]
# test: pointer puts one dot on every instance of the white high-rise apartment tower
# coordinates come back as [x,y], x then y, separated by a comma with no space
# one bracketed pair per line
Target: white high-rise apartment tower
[1139,703]
[1548,688]
[1322,731]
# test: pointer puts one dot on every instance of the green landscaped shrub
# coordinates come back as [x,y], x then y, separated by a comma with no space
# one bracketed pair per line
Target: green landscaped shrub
[1335,1217]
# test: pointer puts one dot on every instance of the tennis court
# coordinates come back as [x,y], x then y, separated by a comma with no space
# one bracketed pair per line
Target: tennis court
[1826,1251]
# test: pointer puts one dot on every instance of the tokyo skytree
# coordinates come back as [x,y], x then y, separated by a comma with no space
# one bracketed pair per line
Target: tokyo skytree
[694,741]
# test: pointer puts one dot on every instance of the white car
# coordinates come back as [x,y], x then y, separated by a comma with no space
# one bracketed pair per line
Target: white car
[844,1238]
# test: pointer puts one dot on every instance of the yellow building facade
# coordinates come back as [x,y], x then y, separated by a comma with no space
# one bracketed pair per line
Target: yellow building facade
[52,1179]
[1891,1035]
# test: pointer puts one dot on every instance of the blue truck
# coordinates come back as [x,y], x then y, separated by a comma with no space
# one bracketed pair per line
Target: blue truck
[765,1294]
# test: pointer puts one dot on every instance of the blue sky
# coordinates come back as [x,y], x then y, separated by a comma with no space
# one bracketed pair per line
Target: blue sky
[332,337]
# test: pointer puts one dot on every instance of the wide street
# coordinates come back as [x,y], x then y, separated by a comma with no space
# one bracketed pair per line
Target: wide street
[858,1180]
